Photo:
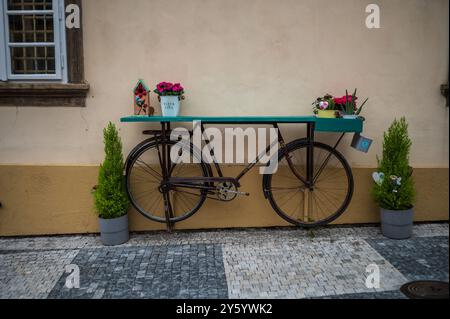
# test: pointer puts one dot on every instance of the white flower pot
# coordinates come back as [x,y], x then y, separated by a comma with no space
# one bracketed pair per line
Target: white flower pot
[170,106]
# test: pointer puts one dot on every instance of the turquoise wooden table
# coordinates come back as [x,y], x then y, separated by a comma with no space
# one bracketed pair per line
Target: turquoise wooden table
[320,124]
[318,176]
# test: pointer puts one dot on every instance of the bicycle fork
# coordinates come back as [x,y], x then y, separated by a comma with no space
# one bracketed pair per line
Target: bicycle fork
[164,160]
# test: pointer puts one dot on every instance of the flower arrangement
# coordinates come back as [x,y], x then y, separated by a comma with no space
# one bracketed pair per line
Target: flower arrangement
[324,103]
[345,105]
[169,89]
[348,104]
[170,95]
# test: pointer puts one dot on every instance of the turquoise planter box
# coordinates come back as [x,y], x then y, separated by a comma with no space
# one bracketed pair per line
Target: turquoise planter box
[339,125]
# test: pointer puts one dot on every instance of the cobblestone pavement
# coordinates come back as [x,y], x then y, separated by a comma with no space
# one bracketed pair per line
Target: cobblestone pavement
[250,263]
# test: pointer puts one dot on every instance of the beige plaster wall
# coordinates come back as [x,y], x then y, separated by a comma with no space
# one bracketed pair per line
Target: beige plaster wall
[248,57]
[42,200]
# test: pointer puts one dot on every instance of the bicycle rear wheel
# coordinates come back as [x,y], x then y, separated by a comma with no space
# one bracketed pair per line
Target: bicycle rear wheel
[317,204]
[144,179]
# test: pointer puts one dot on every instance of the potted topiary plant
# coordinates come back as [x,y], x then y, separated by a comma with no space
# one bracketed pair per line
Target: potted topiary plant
[110,198]
[394,187]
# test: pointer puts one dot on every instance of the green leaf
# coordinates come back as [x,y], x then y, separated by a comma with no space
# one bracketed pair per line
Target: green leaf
[361,107]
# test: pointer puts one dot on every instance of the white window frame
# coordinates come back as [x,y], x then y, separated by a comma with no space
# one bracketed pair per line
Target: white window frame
[58,11]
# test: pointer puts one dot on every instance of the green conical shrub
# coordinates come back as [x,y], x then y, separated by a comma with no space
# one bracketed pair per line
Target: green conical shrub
[396,190]
[110,197]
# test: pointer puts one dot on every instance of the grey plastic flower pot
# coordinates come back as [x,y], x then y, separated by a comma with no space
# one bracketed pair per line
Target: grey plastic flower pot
[397,224]
[114,231]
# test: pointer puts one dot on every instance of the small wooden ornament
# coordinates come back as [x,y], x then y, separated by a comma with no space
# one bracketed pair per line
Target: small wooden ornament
[142,99]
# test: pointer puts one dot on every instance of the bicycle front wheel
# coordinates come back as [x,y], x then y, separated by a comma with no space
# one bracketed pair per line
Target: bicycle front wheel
[321,200]
[144,179]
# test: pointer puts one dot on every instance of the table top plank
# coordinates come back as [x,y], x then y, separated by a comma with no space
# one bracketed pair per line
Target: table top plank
[216,119]
[321,124]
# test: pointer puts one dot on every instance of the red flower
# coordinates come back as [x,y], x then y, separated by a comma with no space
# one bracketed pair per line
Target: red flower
[344,99]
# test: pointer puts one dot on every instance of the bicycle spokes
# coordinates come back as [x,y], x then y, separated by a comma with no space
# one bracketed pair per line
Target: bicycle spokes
[318,201]
[152,196]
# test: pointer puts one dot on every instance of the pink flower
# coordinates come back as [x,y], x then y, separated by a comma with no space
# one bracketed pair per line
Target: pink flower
[168,86]
[177,87]
[323,105]
[164,87]
[160,87]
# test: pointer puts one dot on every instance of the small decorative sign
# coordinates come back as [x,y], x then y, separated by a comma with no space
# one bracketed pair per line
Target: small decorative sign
[142,100]
[378,177]
[361,143]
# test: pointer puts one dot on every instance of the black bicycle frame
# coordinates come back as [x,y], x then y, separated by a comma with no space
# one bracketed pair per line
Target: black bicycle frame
[282,144]
[206,183]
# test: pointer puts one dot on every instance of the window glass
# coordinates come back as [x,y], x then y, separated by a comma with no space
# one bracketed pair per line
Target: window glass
[33,36]
[33,60]
[30,5]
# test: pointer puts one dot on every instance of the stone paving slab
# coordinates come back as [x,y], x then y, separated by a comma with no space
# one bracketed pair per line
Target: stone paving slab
[48,243]
[395,294]
[309,268]
[215,237]
[32,275]
[416,258]
[167,272]
[247,263]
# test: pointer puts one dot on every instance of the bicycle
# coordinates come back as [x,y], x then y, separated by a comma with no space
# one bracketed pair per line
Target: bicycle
[313,185]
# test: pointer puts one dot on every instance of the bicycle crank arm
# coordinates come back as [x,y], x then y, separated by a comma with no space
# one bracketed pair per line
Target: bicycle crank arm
[197,180]
[237,193]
